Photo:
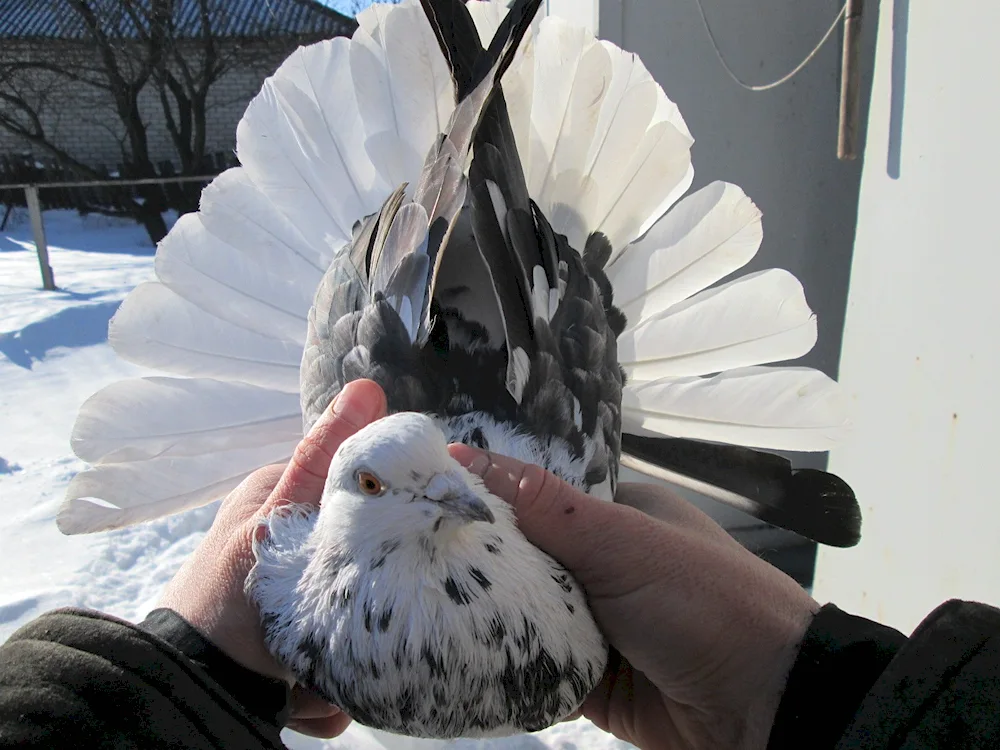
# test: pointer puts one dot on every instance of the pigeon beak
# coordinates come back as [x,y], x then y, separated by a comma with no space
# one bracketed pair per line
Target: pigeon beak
[466,506]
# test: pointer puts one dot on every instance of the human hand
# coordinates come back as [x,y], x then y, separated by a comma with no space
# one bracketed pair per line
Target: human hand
[705,632]
[208,589]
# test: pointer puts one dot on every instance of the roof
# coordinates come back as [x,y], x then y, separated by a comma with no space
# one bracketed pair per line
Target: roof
[56,19]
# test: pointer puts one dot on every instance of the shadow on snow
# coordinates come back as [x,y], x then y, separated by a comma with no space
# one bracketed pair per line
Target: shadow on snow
[73,327]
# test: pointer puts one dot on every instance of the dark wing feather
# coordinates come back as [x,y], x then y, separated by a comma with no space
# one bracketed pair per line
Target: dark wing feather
[571,388]
[383,333]
[508,282]
[458,38]
[814,504]
[580,338]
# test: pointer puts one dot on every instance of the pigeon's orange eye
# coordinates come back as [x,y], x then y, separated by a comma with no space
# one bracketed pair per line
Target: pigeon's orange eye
[369,483]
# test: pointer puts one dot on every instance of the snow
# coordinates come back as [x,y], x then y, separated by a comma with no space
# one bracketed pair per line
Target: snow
[53,355]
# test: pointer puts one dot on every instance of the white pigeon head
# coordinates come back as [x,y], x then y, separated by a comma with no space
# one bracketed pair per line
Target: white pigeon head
[396,479]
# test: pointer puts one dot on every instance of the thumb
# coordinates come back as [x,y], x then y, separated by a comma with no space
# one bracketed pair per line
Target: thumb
[605,545]
[360,403]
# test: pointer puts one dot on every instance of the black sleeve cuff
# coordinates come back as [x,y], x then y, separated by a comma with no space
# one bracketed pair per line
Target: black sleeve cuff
[840,659]
[76,678]
[261,696]
[941,690]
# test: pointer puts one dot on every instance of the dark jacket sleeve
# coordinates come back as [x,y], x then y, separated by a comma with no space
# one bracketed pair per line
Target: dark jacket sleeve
[860,685]
[74,678]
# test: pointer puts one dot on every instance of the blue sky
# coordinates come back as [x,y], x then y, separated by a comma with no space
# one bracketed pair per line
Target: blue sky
[350,7]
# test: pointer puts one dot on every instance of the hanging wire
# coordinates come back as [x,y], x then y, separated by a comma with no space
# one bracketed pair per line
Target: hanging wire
[784,78]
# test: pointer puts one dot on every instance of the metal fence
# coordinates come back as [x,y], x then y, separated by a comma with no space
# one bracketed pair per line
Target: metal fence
[34,204]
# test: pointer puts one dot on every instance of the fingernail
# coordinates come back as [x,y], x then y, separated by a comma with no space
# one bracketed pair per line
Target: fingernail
[473,459]
[351,407]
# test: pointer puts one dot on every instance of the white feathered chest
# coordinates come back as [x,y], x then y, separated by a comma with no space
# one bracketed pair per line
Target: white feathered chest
[421,609]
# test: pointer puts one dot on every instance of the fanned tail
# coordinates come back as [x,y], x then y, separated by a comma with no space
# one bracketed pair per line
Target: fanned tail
[580,134]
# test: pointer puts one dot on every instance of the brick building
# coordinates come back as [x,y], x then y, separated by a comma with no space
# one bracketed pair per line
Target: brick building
[38,37]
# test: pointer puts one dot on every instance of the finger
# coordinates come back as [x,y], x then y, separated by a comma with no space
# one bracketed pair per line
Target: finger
[359,404]
[243,502]
[579,531]
[667,506]
[324,728]
[306,704]
[597,705]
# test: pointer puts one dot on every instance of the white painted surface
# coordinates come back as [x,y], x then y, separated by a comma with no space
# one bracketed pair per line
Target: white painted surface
[921,355]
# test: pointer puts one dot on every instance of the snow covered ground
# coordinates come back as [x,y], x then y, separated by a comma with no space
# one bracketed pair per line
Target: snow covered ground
[53,355]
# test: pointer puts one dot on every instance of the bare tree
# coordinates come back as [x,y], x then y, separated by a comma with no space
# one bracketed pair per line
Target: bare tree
[126,51]
[106,66]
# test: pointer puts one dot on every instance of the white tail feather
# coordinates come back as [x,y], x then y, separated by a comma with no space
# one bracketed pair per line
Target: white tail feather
[402,86]
[795,409]
[144,418]
[756,319]
[313,170]
[163,445]
[663,159]
[564,116]
[265,298]
[616,173]
[234,208]
[143,490]
[319,72]
[157,328]
[704,238]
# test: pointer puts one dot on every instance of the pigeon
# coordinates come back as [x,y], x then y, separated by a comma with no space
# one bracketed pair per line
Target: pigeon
[411,600]
[485,213]
[481,211]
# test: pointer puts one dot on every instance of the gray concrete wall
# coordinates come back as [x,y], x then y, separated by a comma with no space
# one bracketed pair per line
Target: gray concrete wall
[779,145]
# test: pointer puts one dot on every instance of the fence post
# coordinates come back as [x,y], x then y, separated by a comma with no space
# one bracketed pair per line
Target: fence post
[38,229]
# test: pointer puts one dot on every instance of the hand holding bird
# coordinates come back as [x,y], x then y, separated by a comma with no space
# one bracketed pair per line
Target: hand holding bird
[697,623]
[208,591]
[703,632]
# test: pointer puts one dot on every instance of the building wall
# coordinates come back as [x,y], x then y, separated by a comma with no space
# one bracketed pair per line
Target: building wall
[920,350]
[82,120]
[778,145]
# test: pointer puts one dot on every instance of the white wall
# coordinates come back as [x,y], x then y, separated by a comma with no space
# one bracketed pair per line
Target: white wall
[921,350]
